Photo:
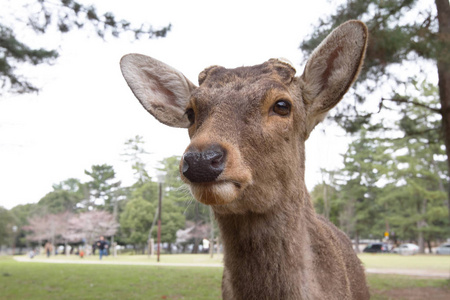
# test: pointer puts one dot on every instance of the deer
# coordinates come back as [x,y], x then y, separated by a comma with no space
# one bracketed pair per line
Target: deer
[246,159]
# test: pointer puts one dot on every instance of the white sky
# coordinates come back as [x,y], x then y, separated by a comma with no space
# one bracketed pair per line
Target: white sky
[85,111]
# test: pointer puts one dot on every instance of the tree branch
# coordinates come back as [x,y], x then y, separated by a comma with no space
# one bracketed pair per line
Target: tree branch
[404,100]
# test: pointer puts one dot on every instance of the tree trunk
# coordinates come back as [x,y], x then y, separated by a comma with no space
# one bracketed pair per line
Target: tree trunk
[443,64]
[326,209]
[357,242]
[429,246]
[421,224]
[195,248]
[420,239]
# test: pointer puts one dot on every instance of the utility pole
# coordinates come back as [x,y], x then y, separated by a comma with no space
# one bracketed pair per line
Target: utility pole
[160,181]
[211,235]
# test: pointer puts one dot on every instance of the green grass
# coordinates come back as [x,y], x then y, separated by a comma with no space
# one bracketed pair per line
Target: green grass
[72,281]
[384,282]
[395,261]
[387,287]
[69,281]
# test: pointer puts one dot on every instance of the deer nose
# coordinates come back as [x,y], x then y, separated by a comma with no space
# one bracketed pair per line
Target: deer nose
[204,166]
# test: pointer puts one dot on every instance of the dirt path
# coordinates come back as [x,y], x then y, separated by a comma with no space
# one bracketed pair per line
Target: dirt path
[419,293]
[106,262]
[409,272]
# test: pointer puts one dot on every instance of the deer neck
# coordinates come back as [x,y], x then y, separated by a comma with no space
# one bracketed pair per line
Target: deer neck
[267,254]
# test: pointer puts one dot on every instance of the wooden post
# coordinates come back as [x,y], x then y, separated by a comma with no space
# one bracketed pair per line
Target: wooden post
[159,221]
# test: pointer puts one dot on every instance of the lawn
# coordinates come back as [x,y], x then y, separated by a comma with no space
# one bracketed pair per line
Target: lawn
[390,287]
[70,281]
[417,262]
[73,281]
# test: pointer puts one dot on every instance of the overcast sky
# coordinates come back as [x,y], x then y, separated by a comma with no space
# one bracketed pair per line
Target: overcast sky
[85,111]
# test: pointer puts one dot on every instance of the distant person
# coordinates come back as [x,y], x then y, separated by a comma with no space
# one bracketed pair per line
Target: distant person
[102,247]
[205,244]
[48,248]
[31,253]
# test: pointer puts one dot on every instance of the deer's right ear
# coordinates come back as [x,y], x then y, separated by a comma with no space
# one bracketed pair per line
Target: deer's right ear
[162,90]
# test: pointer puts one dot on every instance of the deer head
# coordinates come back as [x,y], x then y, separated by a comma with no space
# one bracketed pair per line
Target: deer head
[248,125]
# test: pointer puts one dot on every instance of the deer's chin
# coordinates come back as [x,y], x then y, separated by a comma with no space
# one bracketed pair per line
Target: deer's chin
[216,193]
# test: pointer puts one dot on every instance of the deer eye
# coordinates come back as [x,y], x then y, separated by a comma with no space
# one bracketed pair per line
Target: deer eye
[190,115]
[282,107]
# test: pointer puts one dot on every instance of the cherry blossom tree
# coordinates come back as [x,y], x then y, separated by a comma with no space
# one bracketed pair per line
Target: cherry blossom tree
[90,225]
[69,228]
[51,227]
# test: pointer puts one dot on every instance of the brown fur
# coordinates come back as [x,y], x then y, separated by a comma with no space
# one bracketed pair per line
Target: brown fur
[276,247]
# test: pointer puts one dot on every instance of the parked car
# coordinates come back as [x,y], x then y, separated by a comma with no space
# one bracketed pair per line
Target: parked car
[443,249]
[377,248]
[406,249]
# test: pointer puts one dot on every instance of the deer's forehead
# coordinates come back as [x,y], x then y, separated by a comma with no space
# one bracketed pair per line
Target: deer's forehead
[245,85]
[238,92]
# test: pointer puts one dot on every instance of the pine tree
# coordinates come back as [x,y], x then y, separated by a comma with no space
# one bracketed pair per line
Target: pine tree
[63,16]
[400,31]
[364,166]
[102,188]
[416,195]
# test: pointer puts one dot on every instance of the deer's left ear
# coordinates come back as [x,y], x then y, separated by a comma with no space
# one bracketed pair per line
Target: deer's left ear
[332,68]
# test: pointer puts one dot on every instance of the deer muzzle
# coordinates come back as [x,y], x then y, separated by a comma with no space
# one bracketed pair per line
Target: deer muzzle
[204,166]
[215,172]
